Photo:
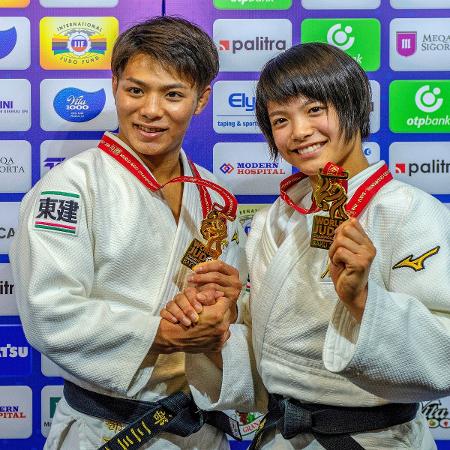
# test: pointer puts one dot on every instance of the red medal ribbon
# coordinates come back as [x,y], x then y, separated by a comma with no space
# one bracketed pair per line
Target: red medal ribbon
[360,198]
[133,165]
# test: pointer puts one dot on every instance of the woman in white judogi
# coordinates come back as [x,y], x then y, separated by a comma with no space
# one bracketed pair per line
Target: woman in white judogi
[365,324]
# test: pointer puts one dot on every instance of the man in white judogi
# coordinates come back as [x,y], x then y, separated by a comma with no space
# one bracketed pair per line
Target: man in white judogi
[97,253]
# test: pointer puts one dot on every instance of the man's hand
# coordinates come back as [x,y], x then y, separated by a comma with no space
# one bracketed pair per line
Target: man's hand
[208,335]
[351,256]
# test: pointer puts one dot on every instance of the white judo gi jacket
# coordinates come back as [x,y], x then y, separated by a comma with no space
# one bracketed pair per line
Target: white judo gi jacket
[89,299]
[304,343]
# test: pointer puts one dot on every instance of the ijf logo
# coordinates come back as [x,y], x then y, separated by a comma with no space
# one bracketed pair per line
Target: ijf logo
[234,107]
[419,106]
[243,46]
[15,50]
[360,38]
[428,170]
[15,352]
[81,44]
[419,44]
[77,105]
[15,412]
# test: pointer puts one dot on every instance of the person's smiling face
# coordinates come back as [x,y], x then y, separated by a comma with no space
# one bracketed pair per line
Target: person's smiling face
[307,134]
[154,108]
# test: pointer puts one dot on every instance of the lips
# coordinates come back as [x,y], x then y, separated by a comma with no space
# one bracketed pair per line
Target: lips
[147,129]
[305,151]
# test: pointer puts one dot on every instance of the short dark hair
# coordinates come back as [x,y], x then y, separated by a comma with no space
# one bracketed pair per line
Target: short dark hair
[319,72]
[174,43]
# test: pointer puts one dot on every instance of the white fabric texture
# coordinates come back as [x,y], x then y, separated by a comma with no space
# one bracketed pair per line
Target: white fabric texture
[305,343]
[91,302]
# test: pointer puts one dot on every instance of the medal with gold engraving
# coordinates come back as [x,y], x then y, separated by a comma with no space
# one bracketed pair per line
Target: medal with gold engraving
[330,195]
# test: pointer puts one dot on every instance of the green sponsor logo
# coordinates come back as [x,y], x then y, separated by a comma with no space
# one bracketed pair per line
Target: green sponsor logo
[419,106]
[252,4]
[53,402]
[360,38]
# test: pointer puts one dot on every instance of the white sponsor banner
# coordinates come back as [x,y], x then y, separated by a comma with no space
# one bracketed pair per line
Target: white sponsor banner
[15,50]
[9,216]
[420,4]
[340,4]
[77,105]
[15,105]
[375,114]
[55,152]
[247,168]
[49,368]
[419,44]
[50,396]
[15,412]
[425,165]
[234,107]
[371,151]
[437,413]
[15,166]
[78,3]
[8,305]
[245,45]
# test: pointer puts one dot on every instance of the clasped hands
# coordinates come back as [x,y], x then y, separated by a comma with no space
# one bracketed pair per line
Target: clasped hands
[197,320]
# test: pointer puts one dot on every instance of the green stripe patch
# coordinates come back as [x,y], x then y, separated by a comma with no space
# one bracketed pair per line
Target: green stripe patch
[54,228]
[67,194]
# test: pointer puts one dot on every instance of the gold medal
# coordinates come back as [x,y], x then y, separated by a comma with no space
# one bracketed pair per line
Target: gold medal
[330,196]
[214,231]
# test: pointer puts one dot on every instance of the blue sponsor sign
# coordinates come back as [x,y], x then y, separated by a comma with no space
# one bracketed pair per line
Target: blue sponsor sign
[76,105]
[15,352]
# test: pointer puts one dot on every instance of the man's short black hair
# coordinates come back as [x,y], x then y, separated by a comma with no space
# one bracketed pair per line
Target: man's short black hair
[320,72]
[173,42]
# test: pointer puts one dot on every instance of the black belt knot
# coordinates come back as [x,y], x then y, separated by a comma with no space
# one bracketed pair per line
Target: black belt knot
[294,419]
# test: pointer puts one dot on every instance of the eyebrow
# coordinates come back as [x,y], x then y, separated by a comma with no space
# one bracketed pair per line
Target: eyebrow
[306,103]
[165,87]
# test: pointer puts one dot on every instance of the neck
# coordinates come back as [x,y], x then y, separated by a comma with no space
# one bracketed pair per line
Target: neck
[164,168]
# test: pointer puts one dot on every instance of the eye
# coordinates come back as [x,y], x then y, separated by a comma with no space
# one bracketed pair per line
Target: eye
[135,91]
[175,95]
[316,109]
[278,121]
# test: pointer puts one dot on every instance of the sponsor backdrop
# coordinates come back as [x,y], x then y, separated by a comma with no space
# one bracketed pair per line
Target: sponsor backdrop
[56,100]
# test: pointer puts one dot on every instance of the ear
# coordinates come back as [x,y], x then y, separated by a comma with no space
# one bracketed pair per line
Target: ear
[203,100]
[115,84]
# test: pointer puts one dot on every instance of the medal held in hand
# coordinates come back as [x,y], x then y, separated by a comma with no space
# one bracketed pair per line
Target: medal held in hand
[214,231]
[330,195]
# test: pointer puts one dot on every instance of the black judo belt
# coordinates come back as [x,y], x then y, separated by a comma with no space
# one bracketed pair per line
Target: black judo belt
[330,425]
[176,414]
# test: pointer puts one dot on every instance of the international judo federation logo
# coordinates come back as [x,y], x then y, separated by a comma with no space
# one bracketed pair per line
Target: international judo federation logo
[427,99]
[340,37]
[75,105]
[8,40]
[406,43]
[83,45]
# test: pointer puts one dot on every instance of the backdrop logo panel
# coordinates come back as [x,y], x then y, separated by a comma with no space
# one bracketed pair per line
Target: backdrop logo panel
[15,412]
[252,4]
[246,213]
[234,107]
[428,170]
[438,416]
[49,368]
[78,3]
[15,53]
[247,168]
[375,113]
[420,4]
[15,166]
[15,352]
[14,3]
[340,4]
[419,106]
[360,38]
[371,151]
[419,44]
[247,44]
[78,43]
[9,215]
[76,105]
[15,105]
[8,306]
[50,396]
[54,153]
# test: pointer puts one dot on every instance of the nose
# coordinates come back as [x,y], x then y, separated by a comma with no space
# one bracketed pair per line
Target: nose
[151,107]
[301,129]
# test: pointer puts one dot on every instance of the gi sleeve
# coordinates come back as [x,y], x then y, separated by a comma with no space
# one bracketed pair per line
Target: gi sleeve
[96,341]
[238,385]
[400,350]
